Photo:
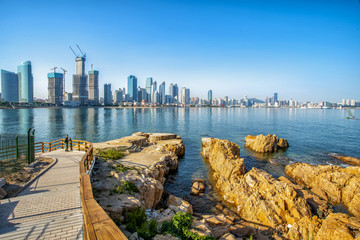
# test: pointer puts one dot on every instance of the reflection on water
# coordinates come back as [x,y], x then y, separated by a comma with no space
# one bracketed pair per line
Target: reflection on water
[312,133]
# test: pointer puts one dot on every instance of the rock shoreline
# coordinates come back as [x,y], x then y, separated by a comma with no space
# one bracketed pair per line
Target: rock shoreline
[254,203]
[287,209]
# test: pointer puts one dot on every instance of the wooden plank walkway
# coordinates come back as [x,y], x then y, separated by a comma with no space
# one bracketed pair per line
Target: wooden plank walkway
[50,208]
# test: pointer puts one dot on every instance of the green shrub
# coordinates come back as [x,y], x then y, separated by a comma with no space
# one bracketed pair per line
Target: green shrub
[125,186]
[113,154]
[137,221]
[179,226]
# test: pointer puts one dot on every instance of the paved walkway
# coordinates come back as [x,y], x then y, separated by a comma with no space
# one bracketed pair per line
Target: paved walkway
[50,208]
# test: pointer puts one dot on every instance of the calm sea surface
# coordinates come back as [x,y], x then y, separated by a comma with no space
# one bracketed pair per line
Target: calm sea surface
[311,133]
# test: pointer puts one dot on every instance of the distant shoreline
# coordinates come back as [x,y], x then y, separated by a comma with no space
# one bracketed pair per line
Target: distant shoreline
[190,106]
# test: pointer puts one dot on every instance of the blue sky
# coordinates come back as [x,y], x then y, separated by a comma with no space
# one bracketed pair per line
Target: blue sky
[305,50]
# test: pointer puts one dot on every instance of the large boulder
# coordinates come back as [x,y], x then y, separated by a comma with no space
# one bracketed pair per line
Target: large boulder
[332,183]
[339,226]
[197,187]
[177,204]
[257,196]
[264,144]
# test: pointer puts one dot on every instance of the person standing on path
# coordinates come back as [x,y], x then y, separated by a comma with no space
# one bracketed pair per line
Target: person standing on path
[66,143]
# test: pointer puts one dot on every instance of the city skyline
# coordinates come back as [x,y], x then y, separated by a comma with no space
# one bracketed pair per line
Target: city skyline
[305,51]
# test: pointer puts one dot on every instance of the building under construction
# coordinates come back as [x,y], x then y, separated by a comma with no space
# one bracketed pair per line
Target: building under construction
[80,79]
[93,87]
[56,88]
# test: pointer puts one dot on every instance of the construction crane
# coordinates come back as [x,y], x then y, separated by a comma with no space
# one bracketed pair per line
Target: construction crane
[54,69]
[64,81]
[73,52]
[83,54]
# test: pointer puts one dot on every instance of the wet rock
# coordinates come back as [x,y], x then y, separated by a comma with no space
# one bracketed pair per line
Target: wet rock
[338,226]
[134,236]
[339,185]
[177,204]
[264,144]
[198,187]
[349,160]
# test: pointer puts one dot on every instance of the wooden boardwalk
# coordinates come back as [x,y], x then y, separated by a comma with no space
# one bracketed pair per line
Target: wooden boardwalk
[50,208]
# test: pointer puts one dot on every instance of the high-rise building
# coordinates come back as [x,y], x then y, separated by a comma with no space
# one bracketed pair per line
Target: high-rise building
[9,86]
[118,96]
[275,97]
[107,94]
[149,82]
[142,94]
[67,96]
[94,87]
[26,83]
[185,95]
[162,93]
[132,87]
[153,90]
[226,100]
[210,96]
[80,82]
[56,88]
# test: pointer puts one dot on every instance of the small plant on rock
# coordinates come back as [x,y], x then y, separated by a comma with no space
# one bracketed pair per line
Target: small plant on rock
[180,225]
[125,186]
[113,154]
[137,221]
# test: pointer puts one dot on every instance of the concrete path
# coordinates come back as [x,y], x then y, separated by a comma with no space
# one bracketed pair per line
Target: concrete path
[50,208]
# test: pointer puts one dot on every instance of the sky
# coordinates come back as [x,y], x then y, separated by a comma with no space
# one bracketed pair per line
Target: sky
[307,50]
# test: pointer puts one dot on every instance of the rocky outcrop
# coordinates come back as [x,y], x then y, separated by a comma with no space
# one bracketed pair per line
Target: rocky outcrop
[265,144]
[198,187]
[338,226]
[137,179]
[177,204]
[349,160]
[257,196]
[331,183]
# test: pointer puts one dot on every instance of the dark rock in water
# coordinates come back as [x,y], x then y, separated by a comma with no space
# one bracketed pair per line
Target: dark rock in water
[349,160]
[198,187]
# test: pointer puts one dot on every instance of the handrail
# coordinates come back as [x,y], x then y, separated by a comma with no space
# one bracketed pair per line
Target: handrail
[96,223]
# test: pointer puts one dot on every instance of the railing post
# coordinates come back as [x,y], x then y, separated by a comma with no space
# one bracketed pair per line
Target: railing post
[62,144]
[42,147]
[78,145]
[17,146]
[71,145]
[49,147]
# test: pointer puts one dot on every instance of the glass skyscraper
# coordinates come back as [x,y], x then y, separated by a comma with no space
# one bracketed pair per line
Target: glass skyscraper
[162,93]
[132,87]
[107,94]
[210,96]
[149,82]
[26,82]
[9,86]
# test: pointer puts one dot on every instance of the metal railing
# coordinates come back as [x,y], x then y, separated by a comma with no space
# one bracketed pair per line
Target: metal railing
[16,150]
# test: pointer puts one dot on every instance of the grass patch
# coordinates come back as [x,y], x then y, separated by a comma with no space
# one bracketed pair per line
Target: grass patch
[125,186]
[180,225]
[121,168]
[137,221]
[113,154]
